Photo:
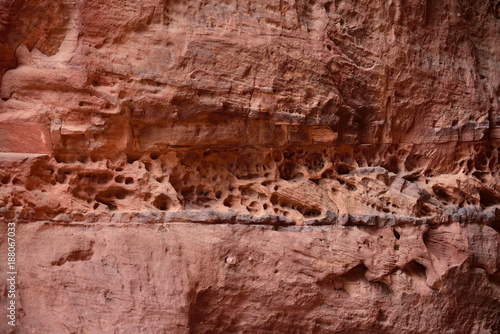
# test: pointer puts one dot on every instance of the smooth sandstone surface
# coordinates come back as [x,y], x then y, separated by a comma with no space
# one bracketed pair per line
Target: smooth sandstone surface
[192,278]
[252,166]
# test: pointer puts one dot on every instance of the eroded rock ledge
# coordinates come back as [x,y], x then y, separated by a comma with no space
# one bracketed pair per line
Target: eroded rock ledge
[302,185]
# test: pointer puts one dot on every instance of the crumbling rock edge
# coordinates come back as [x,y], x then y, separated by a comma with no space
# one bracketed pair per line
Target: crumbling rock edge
[343,184]
[467,215]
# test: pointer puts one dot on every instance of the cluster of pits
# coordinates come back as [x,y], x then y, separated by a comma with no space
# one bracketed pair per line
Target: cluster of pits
[297,183]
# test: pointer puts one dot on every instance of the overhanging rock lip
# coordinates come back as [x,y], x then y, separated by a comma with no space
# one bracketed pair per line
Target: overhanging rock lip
[211,217]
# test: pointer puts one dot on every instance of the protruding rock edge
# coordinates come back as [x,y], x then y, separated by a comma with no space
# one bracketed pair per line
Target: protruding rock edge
[489,217]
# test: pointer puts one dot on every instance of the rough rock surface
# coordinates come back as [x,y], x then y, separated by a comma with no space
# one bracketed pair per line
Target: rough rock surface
[252,166]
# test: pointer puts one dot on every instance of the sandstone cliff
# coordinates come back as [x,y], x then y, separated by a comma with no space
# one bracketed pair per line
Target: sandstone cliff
[252,166]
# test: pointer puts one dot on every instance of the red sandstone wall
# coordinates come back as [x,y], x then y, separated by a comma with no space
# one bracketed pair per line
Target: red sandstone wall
[259,166]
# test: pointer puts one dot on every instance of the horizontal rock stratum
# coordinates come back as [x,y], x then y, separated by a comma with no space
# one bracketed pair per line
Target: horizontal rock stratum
[251,167]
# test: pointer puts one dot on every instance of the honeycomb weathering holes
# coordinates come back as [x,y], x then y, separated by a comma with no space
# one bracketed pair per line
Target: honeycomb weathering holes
[296,182]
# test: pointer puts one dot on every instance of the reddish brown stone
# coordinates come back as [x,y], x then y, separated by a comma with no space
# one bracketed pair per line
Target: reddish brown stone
[262,167]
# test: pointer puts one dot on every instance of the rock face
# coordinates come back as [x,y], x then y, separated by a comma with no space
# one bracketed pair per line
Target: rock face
[259,166]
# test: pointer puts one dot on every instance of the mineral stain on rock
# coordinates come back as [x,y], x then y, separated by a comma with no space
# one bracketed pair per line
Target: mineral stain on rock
[252,167]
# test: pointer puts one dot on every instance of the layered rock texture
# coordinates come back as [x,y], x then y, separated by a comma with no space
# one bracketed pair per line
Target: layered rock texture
[252,166]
